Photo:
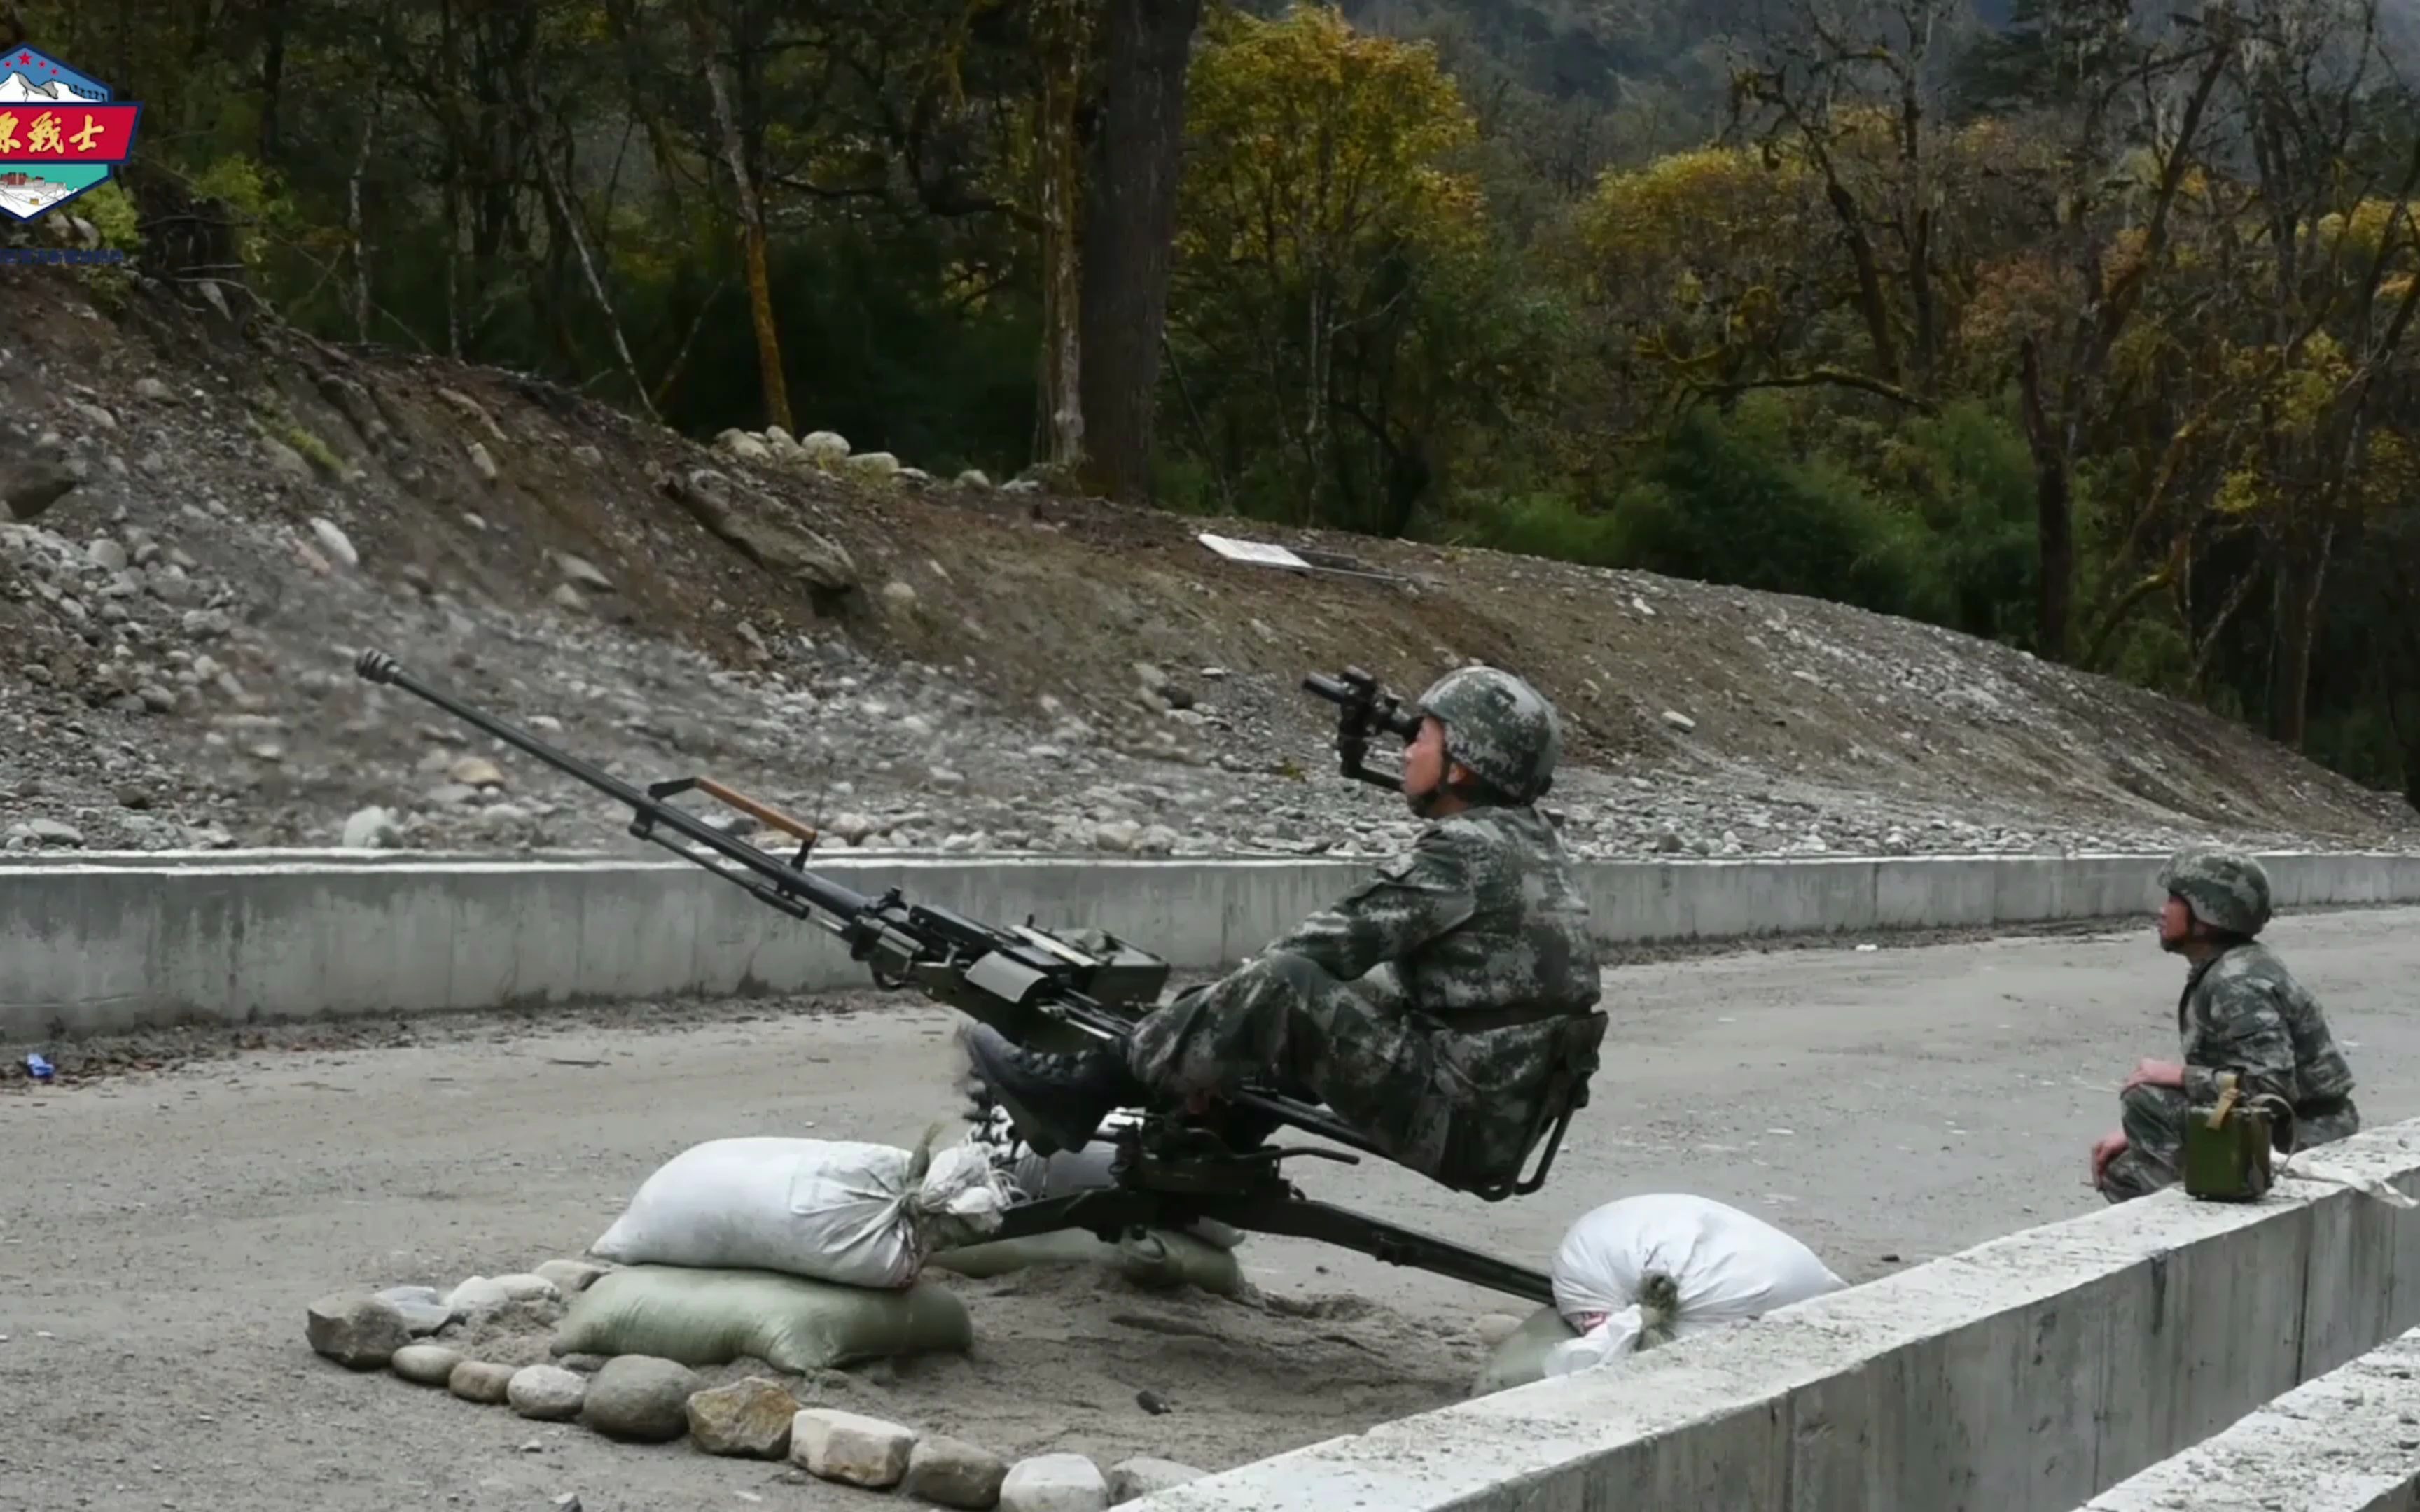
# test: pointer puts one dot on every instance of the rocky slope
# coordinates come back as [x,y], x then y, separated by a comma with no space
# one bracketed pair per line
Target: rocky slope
[205,518]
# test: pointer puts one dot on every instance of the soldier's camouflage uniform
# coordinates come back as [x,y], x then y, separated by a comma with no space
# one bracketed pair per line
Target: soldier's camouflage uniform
[2241,1011]
[1438,1010]
[1442,1060]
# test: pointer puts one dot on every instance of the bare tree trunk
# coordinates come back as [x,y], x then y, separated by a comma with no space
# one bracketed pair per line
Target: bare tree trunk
[452,209]
[1317,358]
[1059,33]
[361,237]
[568,215]
[2397,672]
[751,221]
[2054,509]
[2303,601]
[2206,647]
[680,359]
[2407,739]
[272,78]
[1871,300]
[453,274]
[1210,450]
[1130,226]
[2101,317]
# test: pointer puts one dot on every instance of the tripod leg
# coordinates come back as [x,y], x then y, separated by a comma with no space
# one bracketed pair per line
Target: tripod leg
[1299,1217]
[1106,1213]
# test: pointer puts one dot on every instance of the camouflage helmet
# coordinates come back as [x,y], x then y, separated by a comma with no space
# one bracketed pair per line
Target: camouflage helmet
[2225,889]
[1499,727]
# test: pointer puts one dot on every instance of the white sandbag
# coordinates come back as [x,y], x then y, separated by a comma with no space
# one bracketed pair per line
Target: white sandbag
[860,1214]
[1648,1270]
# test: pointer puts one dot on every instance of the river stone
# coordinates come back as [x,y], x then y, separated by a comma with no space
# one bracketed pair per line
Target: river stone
[953,1472]
[424,1309]
[640,1396]
[479,1294]
[428,1365]
[546,1391]
[850,1448]
[749,1417]
[481,1380]
[1495,1327]
[527,1286]
[1054,1482]
[568,1278]
[1131,1480]
[356,1330]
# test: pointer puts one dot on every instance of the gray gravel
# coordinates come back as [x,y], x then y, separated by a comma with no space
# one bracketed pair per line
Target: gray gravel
[127,640]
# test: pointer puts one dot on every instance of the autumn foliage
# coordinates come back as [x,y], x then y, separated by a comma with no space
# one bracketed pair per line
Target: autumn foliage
[2092,331]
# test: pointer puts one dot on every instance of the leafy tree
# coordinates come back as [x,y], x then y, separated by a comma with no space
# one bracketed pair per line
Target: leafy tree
[2083,326]
[1323,206]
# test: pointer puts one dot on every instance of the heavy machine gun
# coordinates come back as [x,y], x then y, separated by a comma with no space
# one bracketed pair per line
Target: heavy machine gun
[1056,991]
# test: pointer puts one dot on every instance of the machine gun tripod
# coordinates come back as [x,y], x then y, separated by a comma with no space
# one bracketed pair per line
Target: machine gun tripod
[1048,991]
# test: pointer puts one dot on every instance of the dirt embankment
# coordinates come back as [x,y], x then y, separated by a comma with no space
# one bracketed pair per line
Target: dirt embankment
[923,664]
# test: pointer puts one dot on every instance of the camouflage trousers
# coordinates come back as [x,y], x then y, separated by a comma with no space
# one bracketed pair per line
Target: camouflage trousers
[2154,1120]
[1455,1106]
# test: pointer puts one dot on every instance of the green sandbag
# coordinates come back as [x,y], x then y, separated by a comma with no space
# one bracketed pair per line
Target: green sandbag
[1155,1258]
[1521,1358]
[702,1316]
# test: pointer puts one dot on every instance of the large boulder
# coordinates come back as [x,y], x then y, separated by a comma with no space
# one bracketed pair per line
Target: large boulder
[746,521]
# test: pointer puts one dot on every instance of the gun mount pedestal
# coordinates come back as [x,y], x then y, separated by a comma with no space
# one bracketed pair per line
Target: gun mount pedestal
[1161,1188]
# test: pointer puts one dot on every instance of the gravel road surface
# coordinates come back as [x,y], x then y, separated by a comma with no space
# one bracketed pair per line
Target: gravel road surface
[162,1232]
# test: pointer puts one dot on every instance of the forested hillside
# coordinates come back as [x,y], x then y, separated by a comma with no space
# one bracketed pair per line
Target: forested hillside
[2085,330]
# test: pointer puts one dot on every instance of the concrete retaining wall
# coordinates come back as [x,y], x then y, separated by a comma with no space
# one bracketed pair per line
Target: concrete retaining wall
[2025,1375]
[2348,1441]
[112,942]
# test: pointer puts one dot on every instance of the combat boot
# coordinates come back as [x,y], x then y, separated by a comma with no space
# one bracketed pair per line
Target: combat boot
[1056,1101]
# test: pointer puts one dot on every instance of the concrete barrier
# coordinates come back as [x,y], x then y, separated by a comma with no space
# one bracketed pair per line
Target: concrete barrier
[2348,1441]
[120,941]
[2029,1374]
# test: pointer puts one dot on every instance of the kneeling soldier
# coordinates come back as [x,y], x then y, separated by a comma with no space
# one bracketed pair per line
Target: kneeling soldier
[2241,1012]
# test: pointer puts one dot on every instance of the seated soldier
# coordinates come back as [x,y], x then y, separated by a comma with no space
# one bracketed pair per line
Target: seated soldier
[1488,1018]
[2241,1012]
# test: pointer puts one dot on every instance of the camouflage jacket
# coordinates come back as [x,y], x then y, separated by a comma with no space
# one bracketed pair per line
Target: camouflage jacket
[2243,1011]
[1481,913]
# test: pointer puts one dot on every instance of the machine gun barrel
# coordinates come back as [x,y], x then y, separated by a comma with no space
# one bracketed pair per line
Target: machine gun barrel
[793,890]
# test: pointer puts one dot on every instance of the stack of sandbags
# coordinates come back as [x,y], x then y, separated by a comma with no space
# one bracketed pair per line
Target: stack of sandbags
[804,1253]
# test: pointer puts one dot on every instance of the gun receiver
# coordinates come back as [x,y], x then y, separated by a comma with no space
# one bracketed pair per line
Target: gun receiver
[1362,709]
